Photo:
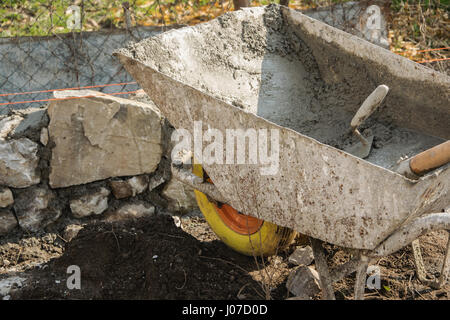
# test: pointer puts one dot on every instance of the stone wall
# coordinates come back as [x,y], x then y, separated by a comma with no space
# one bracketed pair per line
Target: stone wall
[103,157]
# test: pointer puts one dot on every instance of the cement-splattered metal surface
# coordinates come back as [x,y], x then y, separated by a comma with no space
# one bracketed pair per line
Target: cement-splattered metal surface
[319,190]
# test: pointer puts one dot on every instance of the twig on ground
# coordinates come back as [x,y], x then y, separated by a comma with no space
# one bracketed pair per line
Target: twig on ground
[185,280]
[18,256]
[62,238]
[114,234]
[171,235]
[225,261]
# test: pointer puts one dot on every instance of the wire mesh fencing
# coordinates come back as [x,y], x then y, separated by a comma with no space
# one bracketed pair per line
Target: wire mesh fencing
[48,45]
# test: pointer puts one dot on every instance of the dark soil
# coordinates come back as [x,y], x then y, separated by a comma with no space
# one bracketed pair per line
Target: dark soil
[146,259]
[152,258]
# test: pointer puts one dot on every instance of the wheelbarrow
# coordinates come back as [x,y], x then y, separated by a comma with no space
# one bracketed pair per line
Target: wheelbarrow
[297,83]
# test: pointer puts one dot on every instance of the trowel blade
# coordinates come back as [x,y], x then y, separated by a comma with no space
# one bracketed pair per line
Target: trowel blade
[361,150]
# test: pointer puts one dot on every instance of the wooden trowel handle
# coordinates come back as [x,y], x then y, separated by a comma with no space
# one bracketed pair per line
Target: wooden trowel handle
[431,158]
[369,105]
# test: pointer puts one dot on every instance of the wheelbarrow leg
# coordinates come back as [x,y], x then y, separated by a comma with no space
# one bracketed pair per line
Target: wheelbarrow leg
[446,265]
[322,268]
[420,267]
[418,261]
[361,273]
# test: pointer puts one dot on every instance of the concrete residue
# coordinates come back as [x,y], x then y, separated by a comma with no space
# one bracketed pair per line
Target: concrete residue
[8,284]
[266,67]
[304,75]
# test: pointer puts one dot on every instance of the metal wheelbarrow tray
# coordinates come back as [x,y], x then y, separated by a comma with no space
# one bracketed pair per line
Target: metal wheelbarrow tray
[275,68]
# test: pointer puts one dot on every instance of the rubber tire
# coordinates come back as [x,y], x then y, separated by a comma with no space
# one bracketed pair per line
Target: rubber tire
[267,241]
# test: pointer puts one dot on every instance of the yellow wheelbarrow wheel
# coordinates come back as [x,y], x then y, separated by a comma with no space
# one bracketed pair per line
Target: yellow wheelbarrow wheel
[245,234]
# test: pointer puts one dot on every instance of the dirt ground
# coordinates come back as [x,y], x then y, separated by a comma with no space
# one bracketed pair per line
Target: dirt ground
[153,258]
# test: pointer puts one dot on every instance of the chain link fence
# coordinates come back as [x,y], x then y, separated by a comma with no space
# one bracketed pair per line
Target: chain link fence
[47,45]
[55,44]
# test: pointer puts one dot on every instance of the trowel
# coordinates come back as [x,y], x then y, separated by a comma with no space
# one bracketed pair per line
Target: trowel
[372,102]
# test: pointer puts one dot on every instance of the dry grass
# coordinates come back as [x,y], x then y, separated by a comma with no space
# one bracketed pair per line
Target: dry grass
[420,25]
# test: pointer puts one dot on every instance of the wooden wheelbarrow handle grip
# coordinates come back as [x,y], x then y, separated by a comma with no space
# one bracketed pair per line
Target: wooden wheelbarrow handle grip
[431,158]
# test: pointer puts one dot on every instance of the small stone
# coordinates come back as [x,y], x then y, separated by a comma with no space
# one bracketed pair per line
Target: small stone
[126,211]
[241,296]
[138,184]
[302,256]
[7,221]
[7,284]
[156,181]
[120,189]
[36,208]
[6,197]
[94,203]
[18,163]
[303,282]
[128,188]
[177,221]
[44,136]
[8,124]
[181,197]
[30,127]
[71,231]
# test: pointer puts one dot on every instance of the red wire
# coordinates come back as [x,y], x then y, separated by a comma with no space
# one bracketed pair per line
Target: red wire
[77,88]
[423,61]
[425,50]
[434,49]
[125,83]
[56,99]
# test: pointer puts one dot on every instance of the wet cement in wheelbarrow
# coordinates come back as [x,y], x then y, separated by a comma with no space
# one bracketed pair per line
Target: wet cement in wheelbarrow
[152,258]
[261,65]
